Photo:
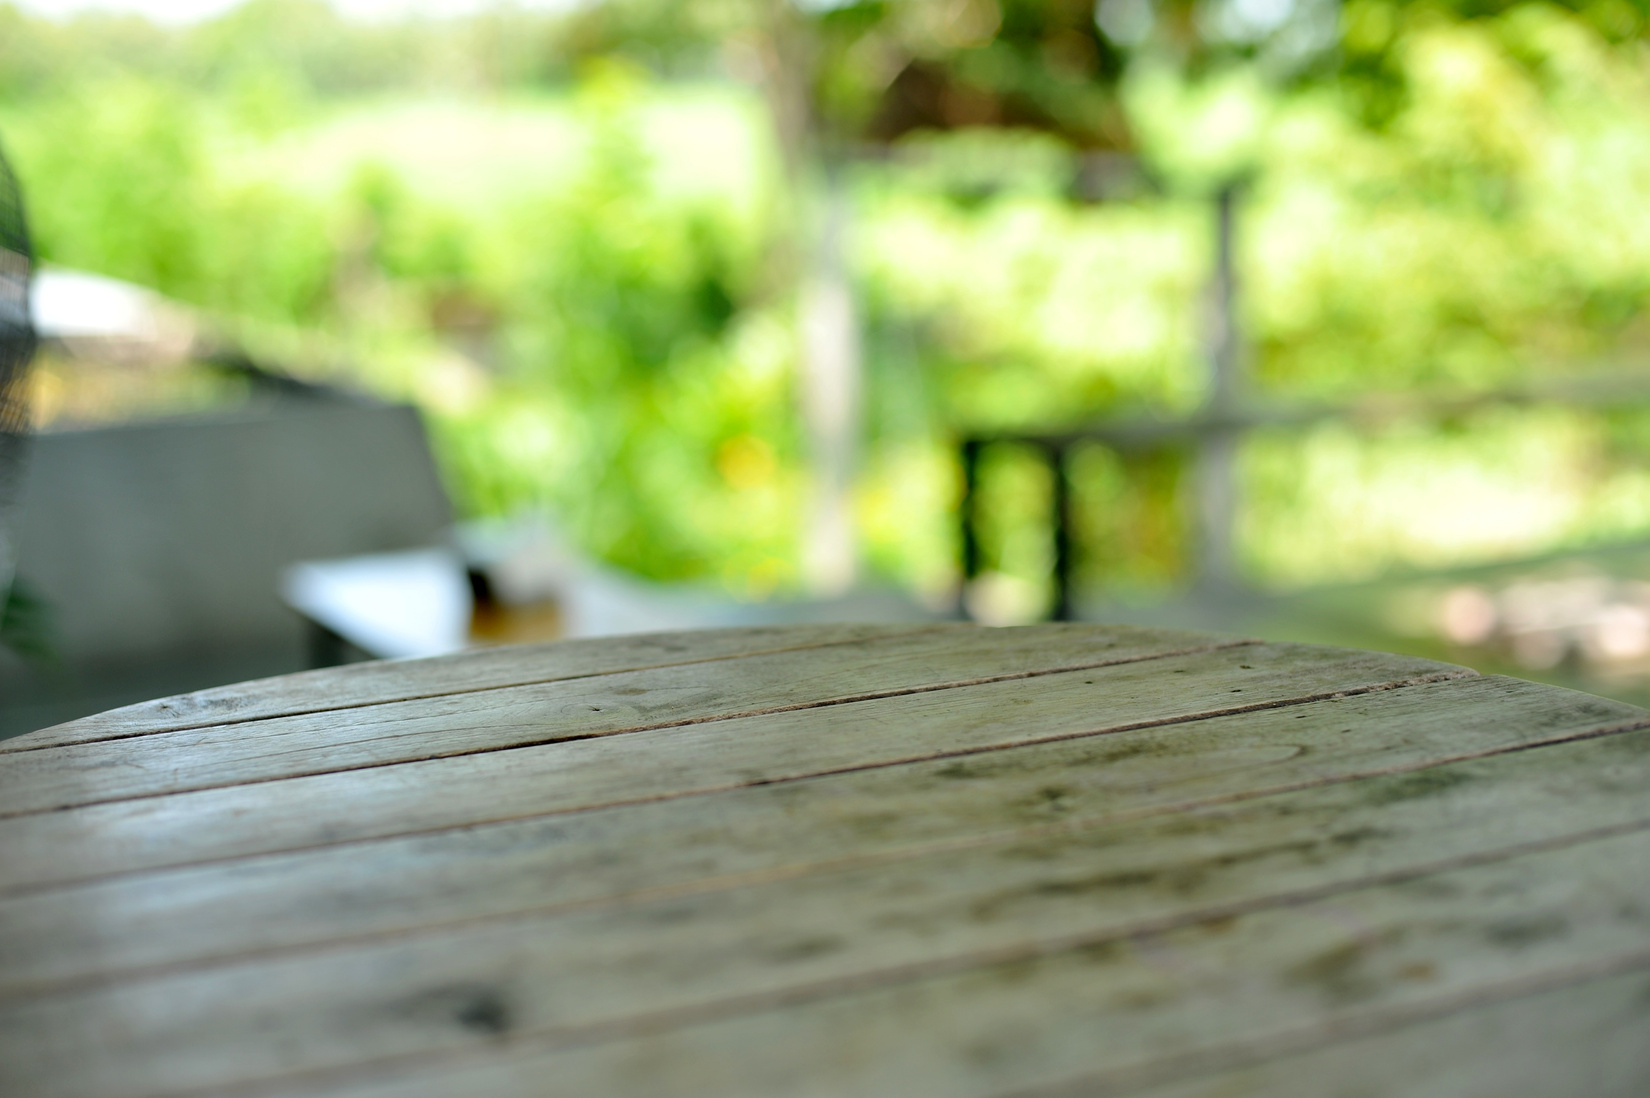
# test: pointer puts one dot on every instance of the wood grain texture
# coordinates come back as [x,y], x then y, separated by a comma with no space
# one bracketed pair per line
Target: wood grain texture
[348,805]
[779,831]
[1508,1042]
[52,778]
[333,688]
[1051,861]
[1112,1013]
[566,975]
[1511,1043]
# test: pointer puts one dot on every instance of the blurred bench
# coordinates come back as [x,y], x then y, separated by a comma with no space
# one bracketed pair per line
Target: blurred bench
[157,547]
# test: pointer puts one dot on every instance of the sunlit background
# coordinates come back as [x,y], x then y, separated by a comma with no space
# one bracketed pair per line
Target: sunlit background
[716,296]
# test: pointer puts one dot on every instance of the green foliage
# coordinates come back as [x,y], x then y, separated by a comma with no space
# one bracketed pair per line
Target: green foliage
[25,623]
[889,68]
[1131,528]
[138,189]
[146,229]
[669,438]
[584,276]
[1492,228]
[1041,313]
[1336,503]
[302,44]
[1489,231]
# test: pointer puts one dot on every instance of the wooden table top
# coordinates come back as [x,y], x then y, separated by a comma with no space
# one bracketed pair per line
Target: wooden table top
[838,860]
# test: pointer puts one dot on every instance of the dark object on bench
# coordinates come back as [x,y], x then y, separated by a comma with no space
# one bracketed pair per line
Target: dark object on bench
[16,349]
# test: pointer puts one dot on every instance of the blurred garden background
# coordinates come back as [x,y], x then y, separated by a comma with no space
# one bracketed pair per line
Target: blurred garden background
[593,243]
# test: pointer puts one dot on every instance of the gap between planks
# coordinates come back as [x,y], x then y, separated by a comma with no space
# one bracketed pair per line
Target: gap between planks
[1304,1038]
[1586,994]
[1442,676]
[1000,794]
[19,744]
[1586,763]
[1307,1038]
[1263,707]
[684,722]
[875,979]
[943,966]
[1581,1038]
[734,1008]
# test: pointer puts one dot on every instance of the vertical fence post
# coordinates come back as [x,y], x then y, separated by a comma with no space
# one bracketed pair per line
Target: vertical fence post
[1064,610]
[1224,347]
[831,389]
[968,513]
[1217,448]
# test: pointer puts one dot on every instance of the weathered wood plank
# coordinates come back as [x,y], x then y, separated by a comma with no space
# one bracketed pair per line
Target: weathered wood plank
[53,778]
[383,681]
[1582,1038]
[63,846]
[108,928]
[1046,1005]
[1590,1039]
